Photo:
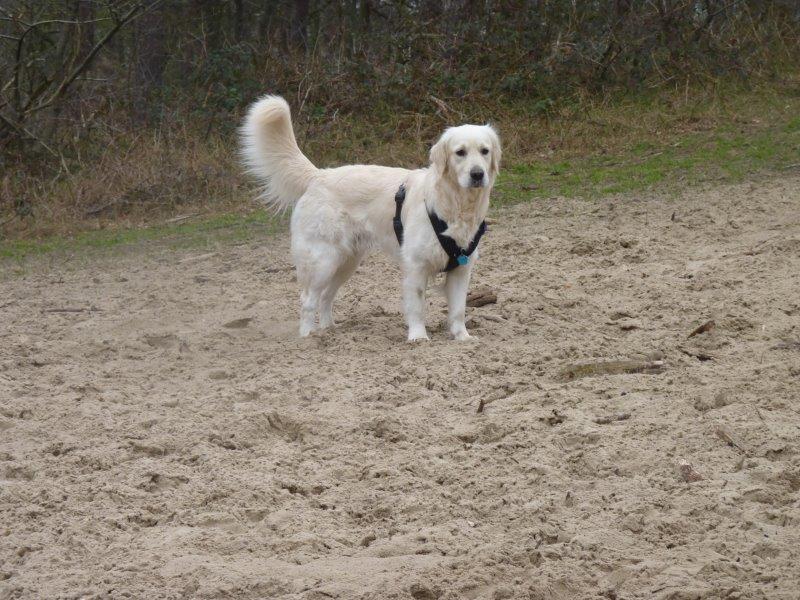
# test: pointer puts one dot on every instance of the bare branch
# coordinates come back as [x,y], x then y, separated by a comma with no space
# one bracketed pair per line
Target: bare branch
[22,131]
[134,12]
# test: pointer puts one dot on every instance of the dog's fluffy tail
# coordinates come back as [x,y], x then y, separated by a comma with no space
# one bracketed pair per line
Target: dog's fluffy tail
[270,152]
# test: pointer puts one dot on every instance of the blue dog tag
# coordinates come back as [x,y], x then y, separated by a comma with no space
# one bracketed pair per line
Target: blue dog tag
[462,259]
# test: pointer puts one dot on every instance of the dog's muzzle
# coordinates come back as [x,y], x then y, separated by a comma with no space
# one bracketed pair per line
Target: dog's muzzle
[476,177]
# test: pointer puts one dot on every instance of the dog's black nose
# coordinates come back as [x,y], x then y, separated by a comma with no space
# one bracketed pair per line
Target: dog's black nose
[476,174]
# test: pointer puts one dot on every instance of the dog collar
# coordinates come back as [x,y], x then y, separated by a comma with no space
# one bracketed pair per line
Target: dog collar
[456,255]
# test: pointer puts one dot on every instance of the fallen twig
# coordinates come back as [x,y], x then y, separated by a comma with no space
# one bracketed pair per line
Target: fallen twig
[481,297]
[71,310]
[445,108]
[731,438]
[705,327]
[492,318]
[612,367]
[605,420]
[96,210]
[180,218]
[500,394]
[787,345]
[8,220]
[238,323]
[698,354]
[757,249]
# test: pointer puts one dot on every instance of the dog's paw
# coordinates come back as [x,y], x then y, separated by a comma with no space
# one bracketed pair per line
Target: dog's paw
[418,336]
[463,336]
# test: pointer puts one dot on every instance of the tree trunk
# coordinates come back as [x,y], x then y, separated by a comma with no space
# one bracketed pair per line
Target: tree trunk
[238,20]
[299,28]
[366,15]
[151,58]
[85,13]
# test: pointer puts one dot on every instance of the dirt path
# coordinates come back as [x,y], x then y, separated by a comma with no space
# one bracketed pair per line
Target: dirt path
[163,446]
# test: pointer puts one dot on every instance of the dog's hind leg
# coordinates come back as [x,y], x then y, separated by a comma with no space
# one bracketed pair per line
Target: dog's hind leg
[315,275]
[309,299]
[342,274]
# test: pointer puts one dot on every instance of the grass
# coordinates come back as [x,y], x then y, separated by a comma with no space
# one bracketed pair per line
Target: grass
[729,152]
[205,232]
[588,149]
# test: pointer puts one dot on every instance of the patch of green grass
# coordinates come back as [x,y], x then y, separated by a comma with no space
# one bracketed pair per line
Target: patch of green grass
[202,232]
[792,126]
[726,154]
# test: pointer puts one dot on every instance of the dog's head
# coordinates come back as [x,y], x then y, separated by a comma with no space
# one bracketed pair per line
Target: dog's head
[469,155]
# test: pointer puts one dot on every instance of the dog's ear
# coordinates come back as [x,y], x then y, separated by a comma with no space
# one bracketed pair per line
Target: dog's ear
[497,150]
[439,156]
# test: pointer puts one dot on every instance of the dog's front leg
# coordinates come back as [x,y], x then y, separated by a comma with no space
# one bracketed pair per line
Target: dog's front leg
[456,286]
[414,299]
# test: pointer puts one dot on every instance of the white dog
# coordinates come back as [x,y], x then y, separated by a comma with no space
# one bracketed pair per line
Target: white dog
[340,214]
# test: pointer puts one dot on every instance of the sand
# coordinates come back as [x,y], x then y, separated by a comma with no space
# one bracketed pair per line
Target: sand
[172,437]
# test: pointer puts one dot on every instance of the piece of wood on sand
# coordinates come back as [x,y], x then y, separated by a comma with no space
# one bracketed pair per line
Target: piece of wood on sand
[704,328]
[72,310]
[499,394]
[700,355]
[786,345]
[238,323]
[729,437]
[606,419]
[481,297]
[612,367]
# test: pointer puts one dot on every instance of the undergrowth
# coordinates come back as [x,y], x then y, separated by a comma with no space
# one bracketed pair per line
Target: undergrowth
[584,147]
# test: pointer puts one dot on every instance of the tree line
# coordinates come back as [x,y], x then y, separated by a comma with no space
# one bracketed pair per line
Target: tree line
[68,67]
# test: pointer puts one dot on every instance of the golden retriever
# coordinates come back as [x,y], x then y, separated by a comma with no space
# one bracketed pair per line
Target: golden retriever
[341,214]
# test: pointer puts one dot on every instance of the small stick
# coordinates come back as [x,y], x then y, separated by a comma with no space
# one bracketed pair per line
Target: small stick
[613,367]
[238,323]
[96,210]
[731,438]
[505,392]
[180,218]
[481,297]
[698,354]
[787,345]
[623,416]
[492,318]
[705,327]
[71,310]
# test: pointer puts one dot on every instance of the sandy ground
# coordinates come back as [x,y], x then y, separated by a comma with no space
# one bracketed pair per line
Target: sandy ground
[162,445]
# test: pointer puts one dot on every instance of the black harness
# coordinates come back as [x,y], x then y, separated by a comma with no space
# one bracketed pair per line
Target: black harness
[456,255]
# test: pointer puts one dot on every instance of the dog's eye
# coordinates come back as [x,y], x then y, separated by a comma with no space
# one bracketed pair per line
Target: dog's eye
[484,151]
[461,152]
